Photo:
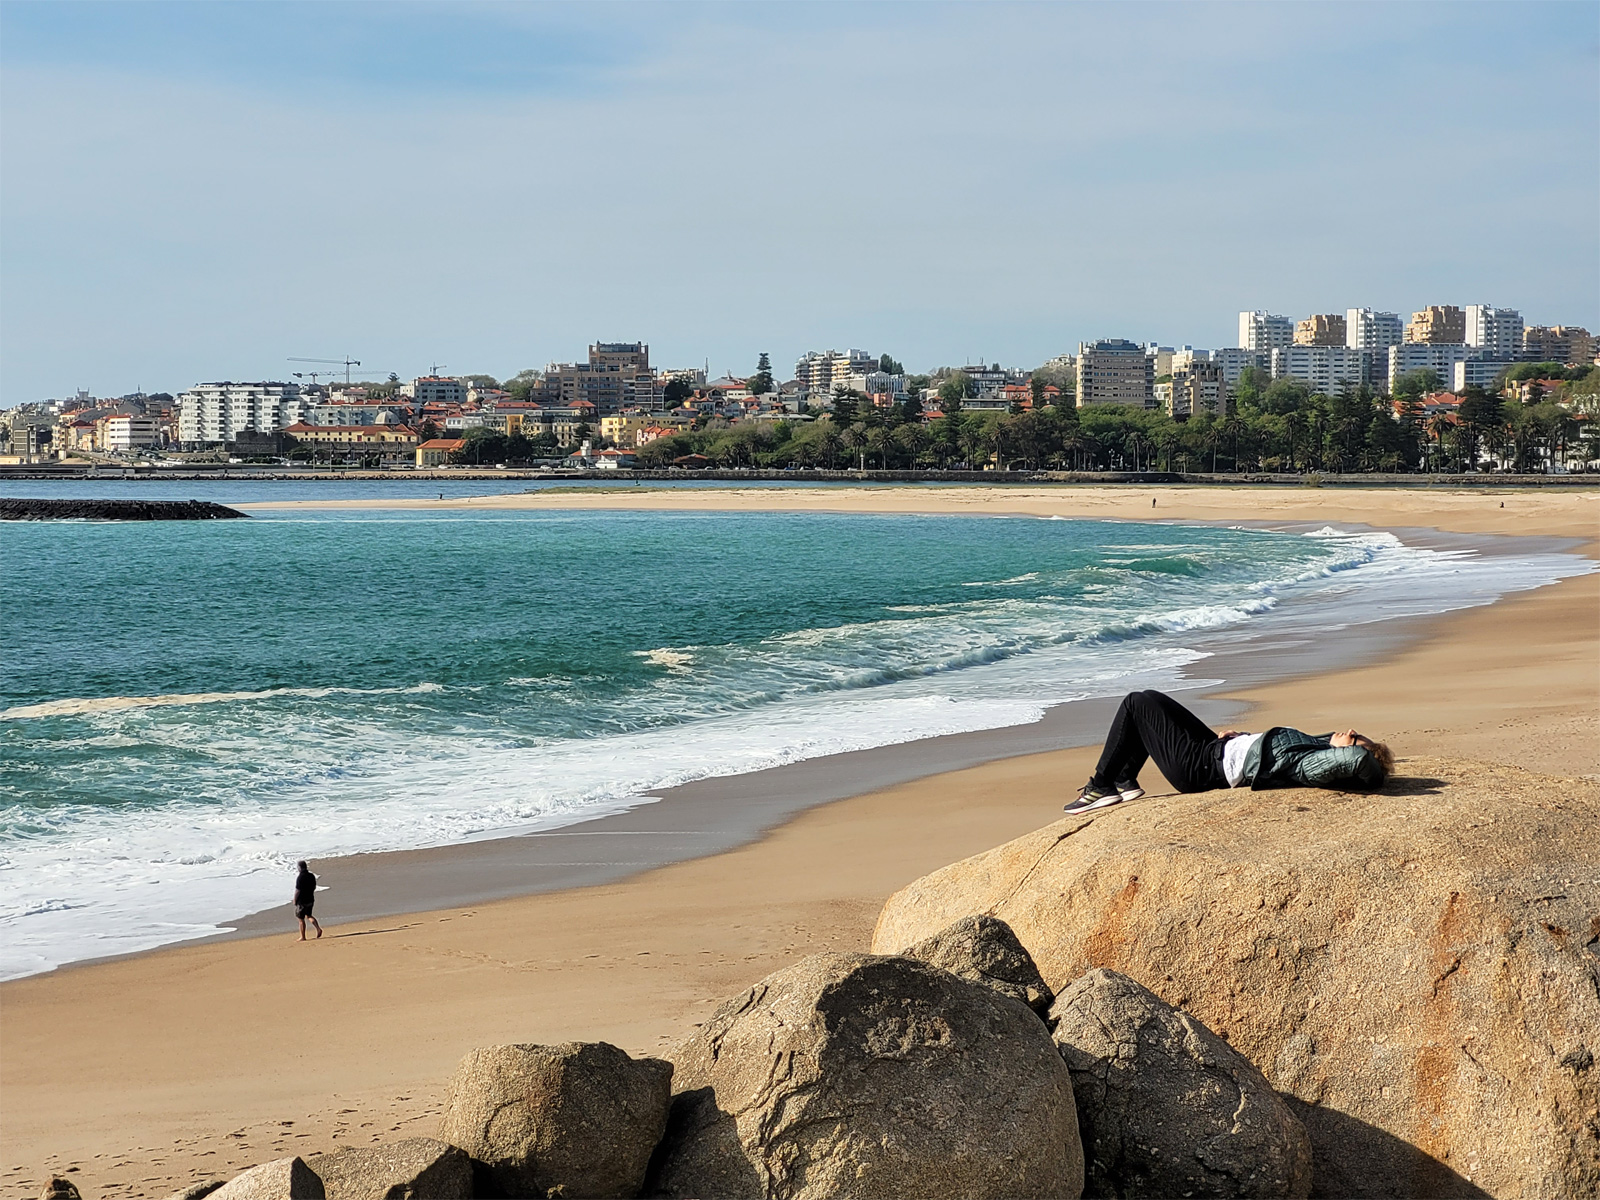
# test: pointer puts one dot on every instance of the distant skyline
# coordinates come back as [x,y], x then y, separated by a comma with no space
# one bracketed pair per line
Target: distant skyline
[201,191]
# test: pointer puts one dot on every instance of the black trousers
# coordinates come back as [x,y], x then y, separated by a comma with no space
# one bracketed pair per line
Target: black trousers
[1154,725]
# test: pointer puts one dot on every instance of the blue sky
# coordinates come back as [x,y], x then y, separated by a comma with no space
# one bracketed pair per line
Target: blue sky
[204,190]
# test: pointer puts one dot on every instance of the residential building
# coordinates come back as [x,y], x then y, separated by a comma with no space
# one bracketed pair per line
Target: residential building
[356,412]
[564,421]
[122,432]
[1367,329]
[1232,361]
[624,428]
[1161,357]
[877,383]
[1477,372]
[438,389]
[1437,325]
[1438,357]
[483,396]
[216,413]
[819,370]
[1321,329]
[631,358]
[1198,388]
[436,452]
[1161,390]
[603,385]
[1329,369]
[1115,371]
[1497,332]
[1569,345]
[389,442]
[611,460]
[1261,330]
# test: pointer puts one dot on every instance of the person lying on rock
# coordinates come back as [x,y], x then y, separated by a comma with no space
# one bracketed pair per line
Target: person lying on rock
[1195,758]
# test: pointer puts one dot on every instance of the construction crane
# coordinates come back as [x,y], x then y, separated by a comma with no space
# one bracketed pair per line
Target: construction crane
[346,363]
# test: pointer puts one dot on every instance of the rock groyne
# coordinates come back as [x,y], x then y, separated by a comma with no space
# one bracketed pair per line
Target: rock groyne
[116,510]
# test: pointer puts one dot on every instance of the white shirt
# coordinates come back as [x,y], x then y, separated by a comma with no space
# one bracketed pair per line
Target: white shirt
[1234,752]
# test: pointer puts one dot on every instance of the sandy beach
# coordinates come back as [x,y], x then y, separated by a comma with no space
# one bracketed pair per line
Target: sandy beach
[148,1073]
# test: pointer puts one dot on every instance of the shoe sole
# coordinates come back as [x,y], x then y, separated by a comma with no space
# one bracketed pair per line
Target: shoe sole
[1103,802]
[1133,793]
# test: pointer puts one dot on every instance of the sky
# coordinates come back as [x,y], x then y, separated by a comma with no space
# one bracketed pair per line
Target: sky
[204,191]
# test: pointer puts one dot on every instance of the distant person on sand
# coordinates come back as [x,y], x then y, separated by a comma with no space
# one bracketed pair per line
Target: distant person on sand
[1194,758]
[305,897]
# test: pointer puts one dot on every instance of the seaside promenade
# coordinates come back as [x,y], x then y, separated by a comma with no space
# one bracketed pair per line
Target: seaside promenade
[148,1072]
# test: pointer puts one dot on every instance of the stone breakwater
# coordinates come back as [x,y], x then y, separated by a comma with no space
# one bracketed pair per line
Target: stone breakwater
[116,510]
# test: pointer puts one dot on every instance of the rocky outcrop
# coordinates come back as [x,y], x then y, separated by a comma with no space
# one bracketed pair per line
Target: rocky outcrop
[415,1169]
[115,510]
[1415,969]
[862,1076]
[59,1188]
[985,950]
[1165,1106]
[575,1120]
[197,1191]
[281,1179]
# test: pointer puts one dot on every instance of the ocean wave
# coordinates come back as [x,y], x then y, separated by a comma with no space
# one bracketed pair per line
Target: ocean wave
[99,705]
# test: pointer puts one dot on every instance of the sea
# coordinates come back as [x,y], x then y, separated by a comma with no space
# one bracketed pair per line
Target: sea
[186,708]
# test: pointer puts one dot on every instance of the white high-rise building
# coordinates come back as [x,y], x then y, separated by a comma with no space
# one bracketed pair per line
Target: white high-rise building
[820,370]
[1439,357]
[1365,329]
[1328,369]
[219,412]
[1261,330]
[1496,331]
[1232,360]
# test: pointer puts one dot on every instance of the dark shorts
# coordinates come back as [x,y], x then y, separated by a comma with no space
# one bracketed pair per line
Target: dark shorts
[302,908]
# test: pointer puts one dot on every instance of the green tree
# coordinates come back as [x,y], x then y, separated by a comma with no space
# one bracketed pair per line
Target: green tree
[845,406]
[676,392]
[760,383]
[956,388]
[889,366]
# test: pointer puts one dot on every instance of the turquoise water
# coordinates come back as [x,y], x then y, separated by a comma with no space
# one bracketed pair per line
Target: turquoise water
[196,704]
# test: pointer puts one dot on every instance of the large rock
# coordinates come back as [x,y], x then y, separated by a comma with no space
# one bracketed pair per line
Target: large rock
[1417,968]
[1165,1106]
[415,1169]
[861,1076]
[281,1179]
[582,1117]
[197,1191]
[58,1187]
[985,950]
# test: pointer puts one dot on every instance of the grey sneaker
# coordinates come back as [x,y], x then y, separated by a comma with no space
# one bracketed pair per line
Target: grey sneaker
[1092,798]
[1130,789]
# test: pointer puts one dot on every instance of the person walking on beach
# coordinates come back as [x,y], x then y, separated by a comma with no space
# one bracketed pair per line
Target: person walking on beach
[305,897]
[1194,758]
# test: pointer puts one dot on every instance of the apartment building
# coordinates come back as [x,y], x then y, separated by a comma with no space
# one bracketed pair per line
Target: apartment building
[122,432]
[436,389]
[1437,325]
[217,413]
[1497,332]
[357,412]
[1261,330]
[1570,345]
[1233,360]
[1321,329]
[818,371]
[1328,369]
[1367,329]
[1115,371]
[1476,372]
[1196,388]
[631,358]
[1439,357]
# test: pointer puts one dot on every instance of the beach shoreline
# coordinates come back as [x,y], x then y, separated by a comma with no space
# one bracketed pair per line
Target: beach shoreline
[120,1059]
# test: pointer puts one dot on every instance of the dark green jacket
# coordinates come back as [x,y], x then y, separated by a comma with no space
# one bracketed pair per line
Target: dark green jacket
[1288,758]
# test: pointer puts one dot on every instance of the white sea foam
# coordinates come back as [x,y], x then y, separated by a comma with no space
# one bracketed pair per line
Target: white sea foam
[126,881]
[91,706]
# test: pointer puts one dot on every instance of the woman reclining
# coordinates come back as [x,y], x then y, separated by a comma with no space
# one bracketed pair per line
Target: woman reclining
[1194,758]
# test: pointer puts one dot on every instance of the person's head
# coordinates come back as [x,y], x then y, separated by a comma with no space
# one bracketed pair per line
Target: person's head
[302,865]
[1378,750]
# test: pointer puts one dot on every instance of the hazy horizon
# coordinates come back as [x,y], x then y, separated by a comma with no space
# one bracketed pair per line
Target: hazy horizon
[198,192]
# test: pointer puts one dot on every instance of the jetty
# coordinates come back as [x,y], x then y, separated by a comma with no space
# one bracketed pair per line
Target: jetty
[115,510]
